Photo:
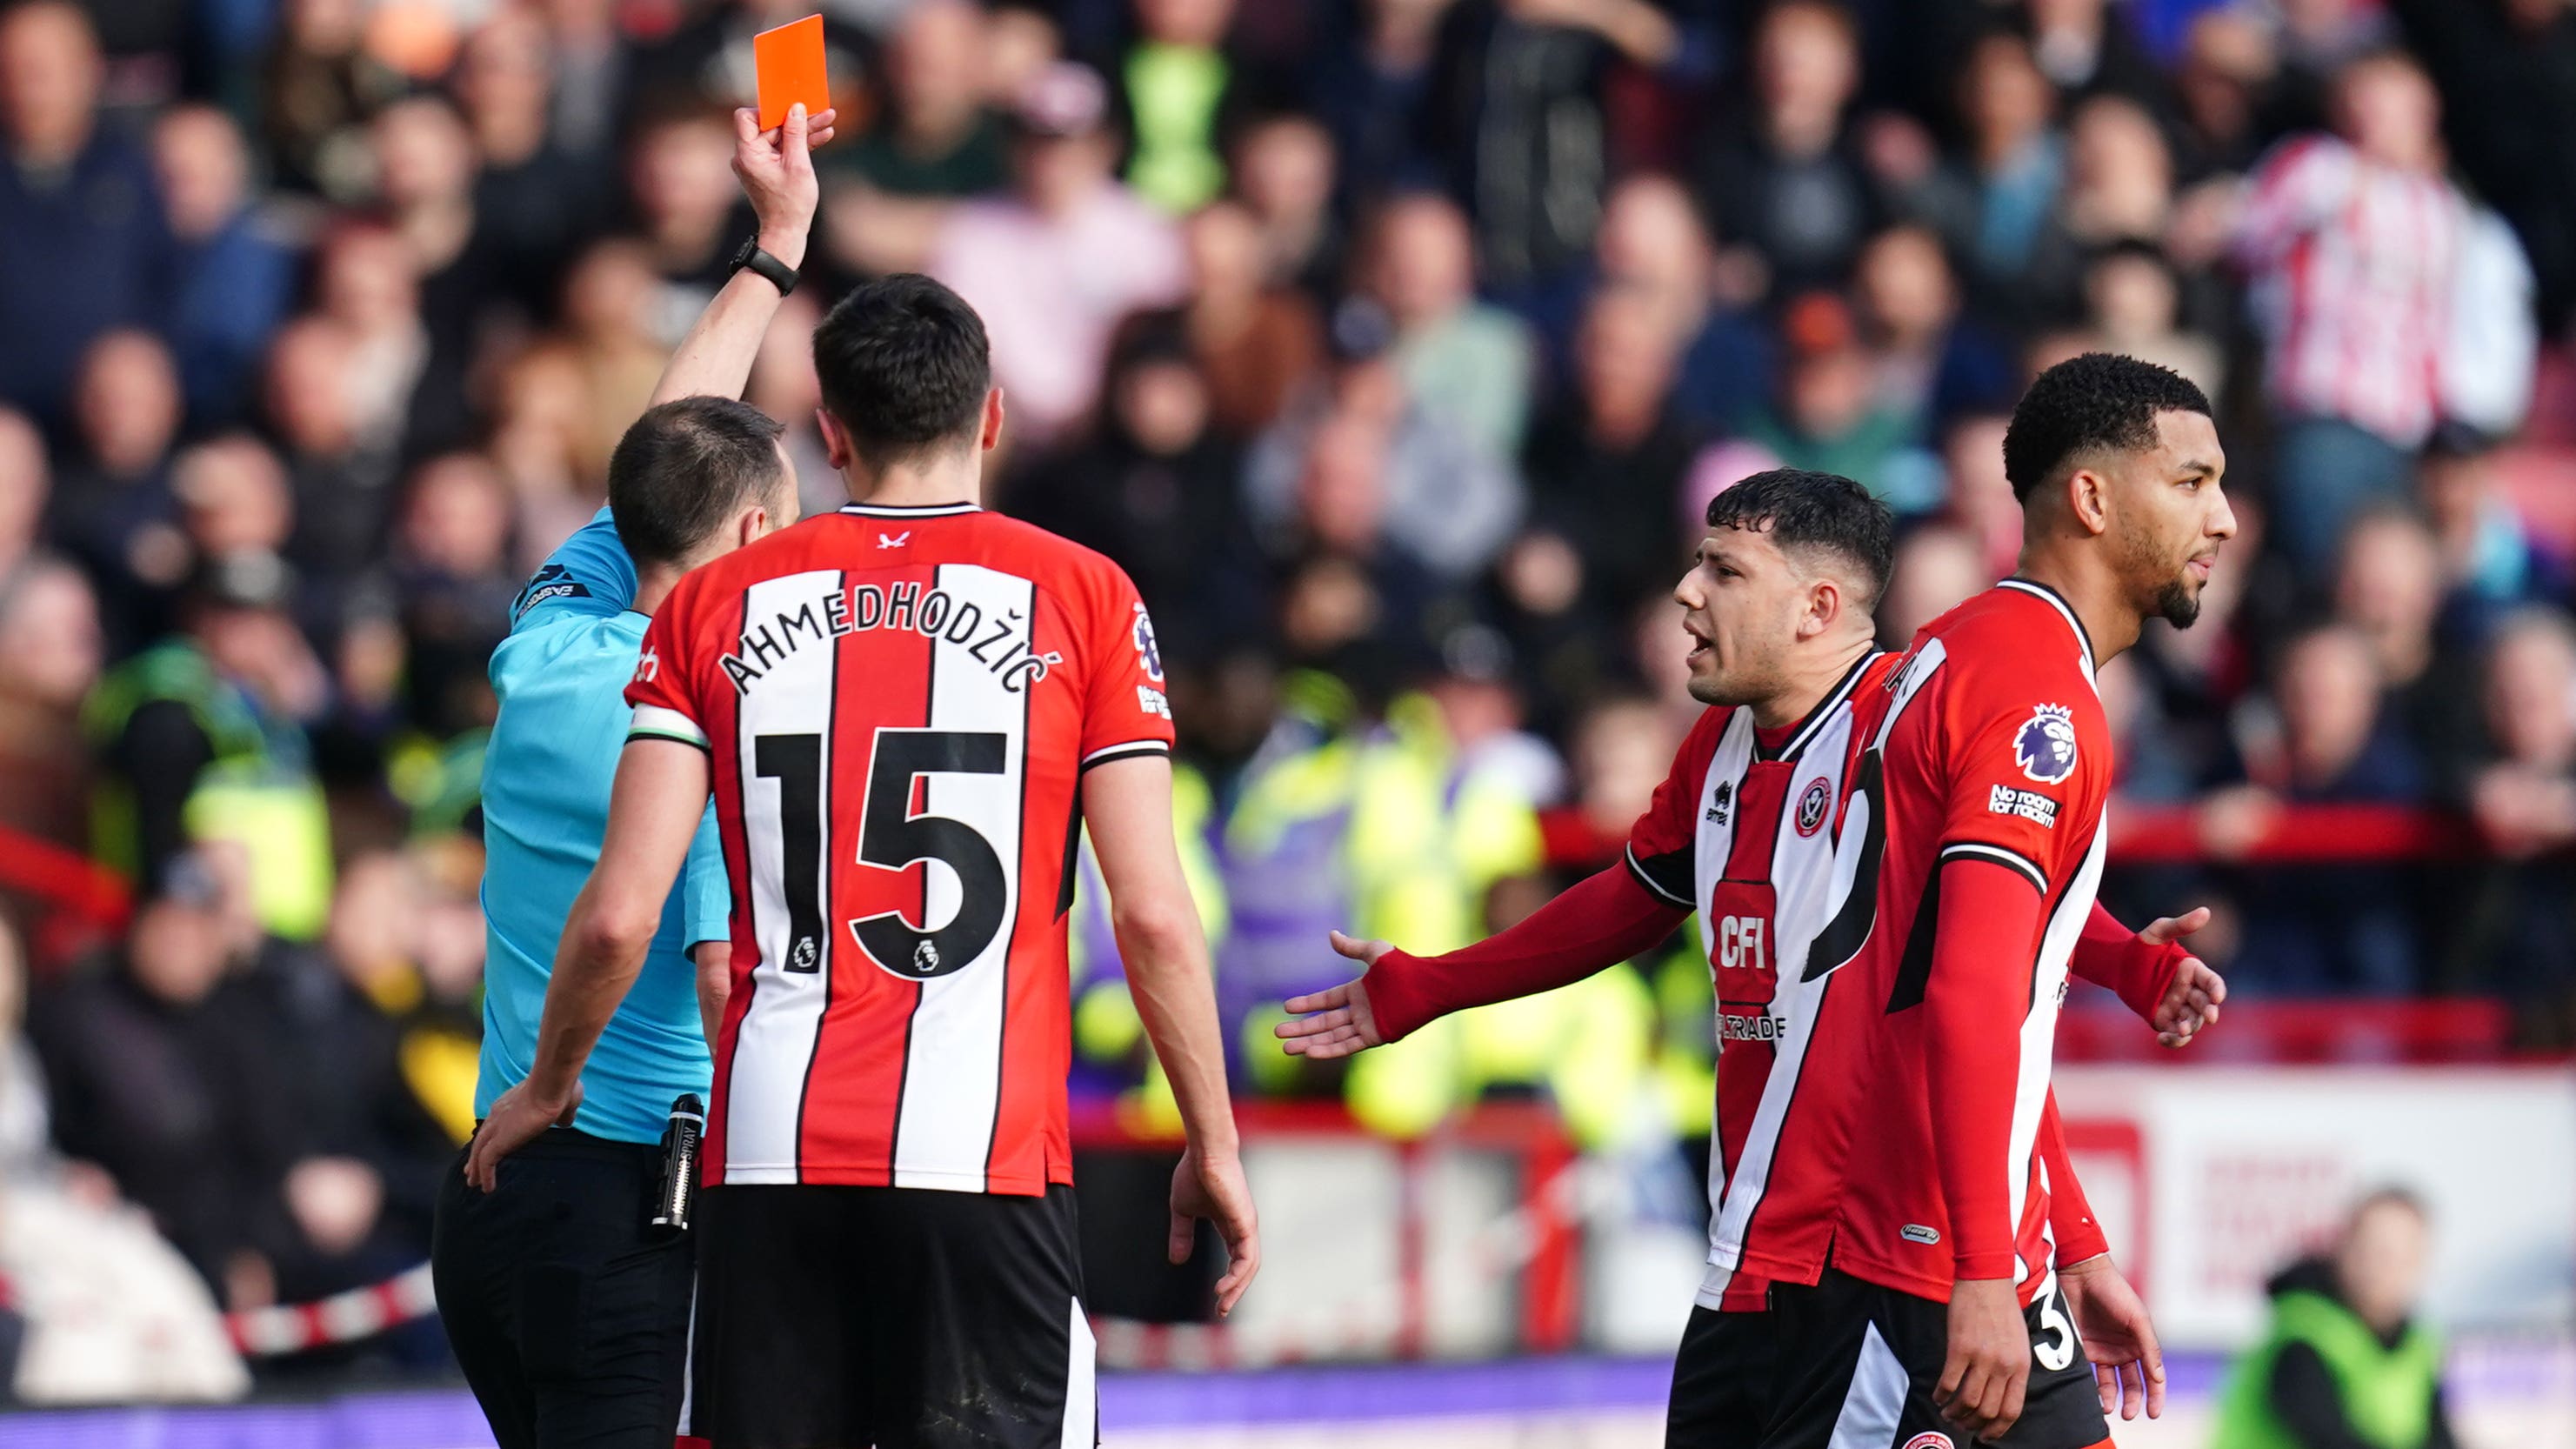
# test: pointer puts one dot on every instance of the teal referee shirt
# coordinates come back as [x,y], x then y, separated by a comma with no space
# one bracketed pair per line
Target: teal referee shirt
[561,677]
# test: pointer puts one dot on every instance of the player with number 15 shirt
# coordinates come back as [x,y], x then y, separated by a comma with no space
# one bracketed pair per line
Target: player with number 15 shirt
[900,703]
[906,711]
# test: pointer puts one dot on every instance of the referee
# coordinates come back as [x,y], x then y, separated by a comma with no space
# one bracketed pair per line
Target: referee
[568,1312]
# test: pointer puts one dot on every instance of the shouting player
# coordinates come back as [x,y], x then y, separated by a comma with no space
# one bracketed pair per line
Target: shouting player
[1916,1181]
[904,710]
[1744,832]
[568,1315]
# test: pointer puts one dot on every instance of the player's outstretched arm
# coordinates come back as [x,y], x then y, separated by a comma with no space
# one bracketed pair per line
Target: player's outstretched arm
[777,171]
[2128,1365]
[652,815]
[1598,923]
[2171,989]
[1127,804]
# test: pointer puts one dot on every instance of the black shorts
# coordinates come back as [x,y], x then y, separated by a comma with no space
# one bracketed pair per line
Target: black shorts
[1861,1361]
[568,1311]
[1724,1379]
[831,1317]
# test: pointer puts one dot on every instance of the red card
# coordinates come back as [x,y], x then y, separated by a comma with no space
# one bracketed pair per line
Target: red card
[789,64]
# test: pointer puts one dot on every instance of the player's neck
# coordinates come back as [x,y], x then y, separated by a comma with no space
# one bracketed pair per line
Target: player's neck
[1810,680]
[653,584]
[2111,623]
[946,483]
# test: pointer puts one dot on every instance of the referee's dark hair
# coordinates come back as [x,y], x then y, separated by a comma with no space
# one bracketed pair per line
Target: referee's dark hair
[2100,402]
[688,467]
[1804,509]
[904,367]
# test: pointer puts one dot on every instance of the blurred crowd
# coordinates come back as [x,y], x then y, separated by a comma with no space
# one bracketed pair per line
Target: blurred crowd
[1393,346]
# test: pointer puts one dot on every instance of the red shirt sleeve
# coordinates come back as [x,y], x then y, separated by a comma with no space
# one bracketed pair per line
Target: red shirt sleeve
[1989,921]
[2110,955]
[1125,708]
[1603,920]
[666,705]
[2070,1217]
[2019,780]
[1662,845]
[2025,762]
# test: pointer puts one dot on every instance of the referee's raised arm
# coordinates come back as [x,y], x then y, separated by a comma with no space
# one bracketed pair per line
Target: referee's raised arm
[777,172]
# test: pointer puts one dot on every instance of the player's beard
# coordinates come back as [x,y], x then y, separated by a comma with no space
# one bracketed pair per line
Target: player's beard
[2178,603]
[1749,680]
[2174,600]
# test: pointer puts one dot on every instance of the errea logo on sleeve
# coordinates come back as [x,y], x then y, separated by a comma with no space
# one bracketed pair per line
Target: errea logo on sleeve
[648,666]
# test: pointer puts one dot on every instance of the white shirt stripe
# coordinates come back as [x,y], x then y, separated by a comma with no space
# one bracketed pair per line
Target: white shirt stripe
[654,720]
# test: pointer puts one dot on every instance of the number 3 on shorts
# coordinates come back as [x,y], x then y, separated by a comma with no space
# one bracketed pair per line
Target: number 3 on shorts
[2054,1351]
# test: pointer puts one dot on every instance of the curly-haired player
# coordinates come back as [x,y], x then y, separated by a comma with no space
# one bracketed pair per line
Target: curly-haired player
[1921,1196]
[1748,831]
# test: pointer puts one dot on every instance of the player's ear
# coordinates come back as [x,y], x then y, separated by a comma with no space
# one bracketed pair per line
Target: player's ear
[1824,607]
[2088,497]
[992,432]
[752,527]
[836,442]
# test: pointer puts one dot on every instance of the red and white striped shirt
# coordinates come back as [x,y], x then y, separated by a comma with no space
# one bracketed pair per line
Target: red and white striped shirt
[2352,266]
[1988,744]
[899,705]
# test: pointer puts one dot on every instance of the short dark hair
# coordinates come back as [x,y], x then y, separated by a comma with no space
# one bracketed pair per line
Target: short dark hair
[904,366]
[686,467]
[2100,401]
[1801,508]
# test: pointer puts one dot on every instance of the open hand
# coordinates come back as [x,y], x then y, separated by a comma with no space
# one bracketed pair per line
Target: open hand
[2191,1003]
[2128,1365]
[1335,1022]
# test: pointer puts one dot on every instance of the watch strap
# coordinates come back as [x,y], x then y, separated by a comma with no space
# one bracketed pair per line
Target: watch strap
[780,275]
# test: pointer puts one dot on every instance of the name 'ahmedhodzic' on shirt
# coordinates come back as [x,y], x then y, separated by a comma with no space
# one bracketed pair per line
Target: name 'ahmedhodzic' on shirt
[1001,645]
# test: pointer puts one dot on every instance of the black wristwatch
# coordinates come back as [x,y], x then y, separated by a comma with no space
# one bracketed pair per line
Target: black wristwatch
[780,275]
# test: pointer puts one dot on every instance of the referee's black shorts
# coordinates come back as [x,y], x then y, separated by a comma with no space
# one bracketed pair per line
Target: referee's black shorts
[895,1317]
[568,1311]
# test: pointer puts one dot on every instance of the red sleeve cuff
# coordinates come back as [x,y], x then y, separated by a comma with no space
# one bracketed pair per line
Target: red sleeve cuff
[1985,1265]
[1398,997]
[2159,979]
[2079,1238]
[2110,955]
[2070,1217]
